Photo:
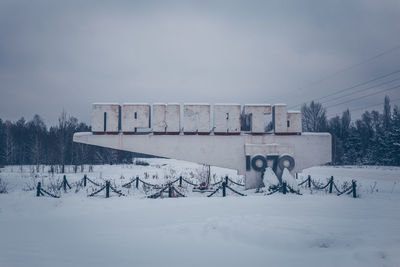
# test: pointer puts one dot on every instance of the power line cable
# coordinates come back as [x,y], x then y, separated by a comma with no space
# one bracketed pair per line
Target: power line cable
[391,101]
[362,89]
[353,99]
[390,50]
[364,107]
[354,86]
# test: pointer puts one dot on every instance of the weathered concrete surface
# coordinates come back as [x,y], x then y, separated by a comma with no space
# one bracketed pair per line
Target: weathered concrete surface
[196,118]
[258,112]
[108,112]
[308,149]
[294,120]
[227,118]
[135,117]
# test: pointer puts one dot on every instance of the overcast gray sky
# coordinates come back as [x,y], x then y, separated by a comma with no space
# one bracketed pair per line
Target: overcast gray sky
[68,54]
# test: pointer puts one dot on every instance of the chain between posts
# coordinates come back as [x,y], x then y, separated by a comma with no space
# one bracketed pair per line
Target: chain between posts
[226,179]
[148,184]
[179,193]
[339,191]
[88,179]
[44,191]
[64,184]
[217,183]
[233,190]
[158,194]
[233,182]
[174,181]
[305,181]
[107,187]
[274,191]
[320,187]
[332,185]
[224,186]
[350,189]
[293,191]
[283,188]
[216,190]
[181,179]
[40,191]
[347,190]
[188,182]
[127,185]
[116,191]
[96,192]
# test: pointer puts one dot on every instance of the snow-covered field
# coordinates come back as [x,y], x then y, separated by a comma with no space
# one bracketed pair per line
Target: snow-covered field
[314,229]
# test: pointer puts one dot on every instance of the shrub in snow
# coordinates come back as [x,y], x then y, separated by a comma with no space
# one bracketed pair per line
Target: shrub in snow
[270,180]
[202,174]
[146,188]
[317,183]
[30,185]
[345,185]
[3,187]
[78,185]
[372,188]
[141,162]
[54,186]
[215,178]
[290,180]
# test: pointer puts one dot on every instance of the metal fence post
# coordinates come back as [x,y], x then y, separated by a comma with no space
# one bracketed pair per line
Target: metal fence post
[309,181]
[353,183]
[224,189]
[180,181]
[65,183]
[170,190]
[284,188]
[84,180]
[330,185]
[39,184]
[226,180]
[137,182]
[107,189]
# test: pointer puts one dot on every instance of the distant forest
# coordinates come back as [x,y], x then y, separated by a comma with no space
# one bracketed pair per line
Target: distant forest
[31,142]
[372,140]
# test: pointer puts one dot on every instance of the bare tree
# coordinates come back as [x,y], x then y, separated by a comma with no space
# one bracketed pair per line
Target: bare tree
[37,129]
[386,113]
[345,125]
[314,117]
[62,138]
[10,149]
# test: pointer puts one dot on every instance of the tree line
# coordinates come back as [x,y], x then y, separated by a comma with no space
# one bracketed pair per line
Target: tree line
[31,142]
[374,139]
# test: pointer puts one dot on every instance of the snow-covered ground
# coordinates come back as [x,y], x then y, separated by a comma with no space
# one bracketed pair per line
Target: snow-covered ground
[314,229]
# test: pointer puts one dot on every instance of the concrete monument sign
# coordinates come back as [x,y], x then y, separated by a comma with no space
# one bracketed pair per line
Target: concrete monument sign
[225,135]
